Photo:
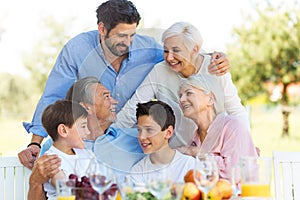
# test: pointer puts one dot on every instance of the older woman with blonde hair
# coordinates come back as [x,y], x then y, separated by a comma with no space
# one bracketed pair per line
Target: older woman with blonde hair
[225,136]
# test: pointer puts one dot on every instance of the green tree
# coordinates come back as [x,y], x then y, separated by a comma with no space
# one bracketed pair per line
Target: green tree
[15,96]
[41,59]
[267,48]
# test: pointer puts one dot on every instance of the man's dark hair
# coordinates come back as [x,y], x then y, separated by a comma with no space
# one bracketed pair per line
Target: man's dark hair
[61,112]
[114,12]
[160,112]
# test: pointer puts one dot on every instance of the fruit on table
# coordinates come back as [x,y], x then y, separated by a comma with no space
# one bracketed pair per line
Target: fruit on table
[215,194]
[191,192]
[225,187]
[110,191]
[222,190]
[189,176]
[84,190]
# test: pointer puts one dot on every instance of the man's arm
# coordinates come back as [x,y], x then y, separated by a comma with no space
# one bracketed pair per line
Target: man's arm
[28,155]
[44,168]
[59,81]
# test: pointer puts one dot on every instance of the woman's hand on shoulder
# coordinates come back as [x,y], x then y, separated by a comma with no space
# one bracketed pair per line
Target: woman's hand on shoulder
[189,150]
[219,64]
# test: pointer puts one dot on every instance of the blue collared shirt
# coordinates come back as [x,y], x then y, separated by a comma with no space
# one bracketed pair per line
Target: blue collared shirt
[117,147]
[83,56]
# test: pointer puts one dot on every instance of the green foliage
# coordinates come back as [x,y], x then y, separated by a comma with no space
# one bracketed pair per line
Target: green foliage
[41,59]
[16,94]
[19,95]
[267,48]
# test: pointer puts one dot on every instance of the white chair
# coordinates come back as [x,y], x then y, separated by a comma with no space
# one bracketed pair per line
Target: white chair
[287,175]
[14,179]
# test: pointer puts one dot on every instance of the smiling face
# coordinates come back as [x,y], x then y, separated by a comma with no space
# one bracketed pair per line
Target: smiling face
[118,40]
[77,133]
[178,56]
[194,101]
[104,106]
[150,135]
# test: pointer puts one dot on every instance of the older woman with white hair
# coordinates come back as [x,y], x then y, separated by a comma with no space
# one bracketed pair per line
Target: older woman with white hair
[225,136]
[182,59]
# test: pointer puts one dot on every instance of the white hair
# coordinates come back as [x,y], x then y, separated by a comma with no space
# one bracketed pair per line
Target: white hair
[189,32]
[207,84]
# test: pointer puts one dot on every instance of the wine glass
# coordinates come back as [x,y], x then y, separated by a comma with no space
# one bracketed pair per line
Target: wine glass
[177,190]
[206,172]
[81,166]
[159,182]
[100,175]
[125,185]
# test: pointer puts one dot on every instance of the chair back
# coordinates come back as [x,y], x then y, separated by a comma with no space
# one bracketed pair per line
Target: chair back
[287,175]
[14,179]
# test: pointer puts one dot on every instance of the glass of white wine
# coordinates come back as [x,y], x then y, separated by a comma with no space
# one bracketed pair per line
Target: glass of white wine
[206,172]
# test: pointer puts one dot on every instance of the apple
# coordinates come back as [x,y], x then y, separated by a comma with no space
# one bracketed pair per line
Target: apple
[190,192]
[189,176]
[225,187]
[222,190]
[215,194]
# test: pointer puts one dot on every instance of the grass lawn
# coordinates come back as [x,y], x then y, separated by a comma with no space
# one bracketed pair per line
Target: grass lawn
[14,138]
[266,124]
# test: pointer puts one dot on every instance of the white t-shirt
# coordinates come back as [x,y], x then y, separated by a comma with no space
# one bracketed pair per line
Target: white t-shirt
[67,165]
[145,170]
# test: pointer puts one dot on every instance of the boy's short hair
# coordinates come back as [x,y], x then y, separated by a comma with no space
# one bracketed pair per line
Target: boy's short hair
[61,112]
[160,112]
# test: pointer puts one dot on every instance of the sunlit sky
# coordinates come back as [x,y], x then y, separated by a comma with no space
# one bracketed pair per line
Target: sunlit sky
[20,21]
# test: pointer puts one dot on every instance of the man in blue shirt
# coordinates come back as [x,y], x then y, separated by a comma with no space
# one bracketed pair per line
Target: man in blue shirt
[114,53]
[117,147]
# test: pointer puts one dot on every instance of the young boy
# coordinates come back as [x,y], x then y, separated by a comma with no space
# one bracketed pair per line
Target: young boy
[156,123]
[66,123]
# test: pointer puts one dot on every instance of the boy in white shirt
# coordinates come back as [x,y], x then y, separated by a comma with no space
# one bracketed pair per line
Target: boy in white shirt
[156,123]
[66,123]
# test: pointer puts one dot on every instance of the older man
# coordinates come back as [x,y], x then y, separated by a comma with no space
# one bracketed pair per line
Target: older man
[117,147]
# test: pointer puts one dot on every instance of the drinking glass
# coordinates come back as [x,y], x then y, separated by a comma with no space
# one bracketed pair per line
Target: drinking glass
[177,190]
[100,175]
[235,181]
[64,189]
[159,183]
[206,172]
[256,173]
[81,166]
[125,186]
